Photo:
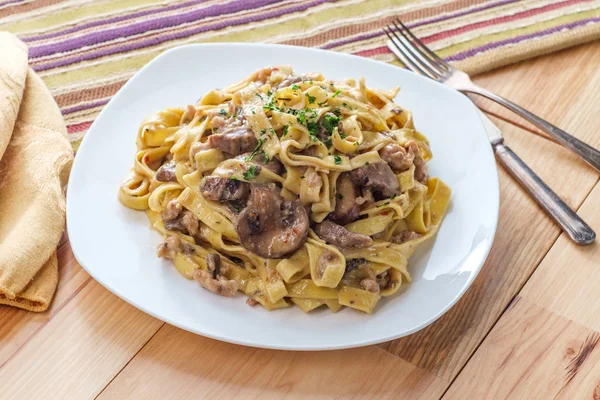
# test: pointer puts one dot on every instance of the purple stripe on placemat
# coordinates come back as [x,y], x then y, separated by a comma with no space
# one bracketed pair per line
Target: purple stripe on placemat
[126,47]
[372,35]
[82,107]
[518,39]
[462,13]
[113,20]
[145,26]
[6,3]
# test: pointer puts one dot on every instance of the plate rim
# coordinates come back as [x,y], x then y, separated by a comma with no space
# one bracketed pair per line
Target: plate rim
[235,340]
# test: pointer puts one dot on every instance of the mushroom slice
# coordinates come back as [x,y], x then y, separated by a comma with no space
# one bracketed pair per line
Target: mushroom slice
[270,226]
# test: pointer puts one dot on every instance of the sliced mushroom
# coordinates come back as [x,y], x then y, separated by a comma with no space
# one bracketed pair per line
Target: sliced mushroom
[270,226]
[339,236]
[346,207]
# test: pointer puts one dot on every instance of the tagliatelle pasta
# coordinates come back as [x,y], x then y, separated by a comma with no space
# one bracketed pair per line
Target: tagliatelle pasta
[293,189]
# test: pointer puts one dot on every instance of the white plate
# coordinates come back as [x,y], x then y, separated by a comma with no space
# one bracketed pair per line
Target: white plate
[116,245]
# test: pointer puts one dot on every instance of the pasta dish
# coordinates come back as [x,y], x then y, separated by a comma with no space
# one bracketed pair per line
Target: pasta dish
[292,189]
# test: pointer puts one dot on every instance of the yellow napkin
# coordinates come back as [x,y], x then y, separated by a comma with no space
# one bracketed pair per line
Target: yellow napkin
[35,161]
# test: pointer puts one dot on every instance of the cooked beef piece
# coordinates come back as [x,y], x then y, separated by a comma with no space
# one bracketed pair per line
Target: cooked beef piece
[171,211]
[166,173]
[370,285]
[171,245]
[346,206]
[219,285]
[269,225]
[405,236]
[421,173]
[341,237]
[216,188]
[354,263]
[289,81]
[186,223]
[397,157]
[378,177]
[234,141]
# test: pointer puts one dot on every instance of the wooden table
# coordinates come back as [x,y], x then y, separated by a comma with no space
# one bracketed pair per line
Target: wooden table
[528,328]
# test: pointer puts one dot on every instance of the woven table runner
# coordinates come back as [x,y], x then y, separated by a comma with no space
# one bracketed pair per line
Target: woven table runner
[86,50]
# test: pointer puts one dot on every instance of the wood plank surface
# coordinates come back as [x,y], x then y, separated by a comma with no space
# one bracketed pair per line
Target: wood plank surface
[567,281]
[546,346]
[90,342]
[79,349]
[524,233]
[178,364]
[18,326]
[532,354]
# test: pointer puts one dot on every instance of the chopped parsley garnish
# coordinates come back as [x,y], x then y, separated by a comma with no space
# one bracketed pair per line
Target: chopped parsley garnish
[250,173]
[330,122]
[345,104]
[301,117]
[310,82]
[367,163]
[222,112]
[337,92]
[236,209]
[258,95]
[295,87]
[256,150]
[266,157]
[311,99]
[262,132]
[322,104]
[343,135]
[286,130]
[269,93]
[337,159]
[253,112]
[272,130]
[233,178]
[328,143]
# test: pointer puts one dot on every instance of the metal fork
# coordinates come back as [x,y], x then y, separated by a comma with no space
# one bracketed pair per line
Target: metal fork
[419,58]
[422,60]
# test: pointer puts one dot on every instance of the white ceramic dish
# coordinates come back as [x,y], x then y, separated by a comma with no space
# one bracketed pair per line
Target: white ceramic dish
[116,245]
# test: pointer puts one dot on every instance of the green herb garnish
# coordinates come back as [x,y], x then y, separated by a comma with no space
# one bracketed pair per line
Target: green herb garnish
[295,87]
[250,173]
[338,159]
[256,150]
[343,135]
[311,99]
[222,112]
[337,92]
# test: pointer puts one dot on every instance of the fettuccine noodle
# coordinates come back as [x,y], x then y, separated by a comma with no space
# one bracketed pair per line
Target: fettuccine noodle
[295,190]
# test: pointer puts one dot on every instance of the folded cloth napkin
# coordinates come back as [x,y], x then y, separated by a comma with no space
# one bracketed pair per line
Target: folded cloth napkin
[35,161]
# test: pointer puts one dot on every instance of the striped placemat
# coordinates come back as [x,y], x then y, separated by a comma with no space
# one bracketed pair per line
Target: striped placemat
[85,50]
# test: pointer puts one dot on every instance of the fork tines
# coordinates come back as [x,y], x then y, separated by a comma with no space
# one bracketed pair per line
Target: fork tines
[414,53]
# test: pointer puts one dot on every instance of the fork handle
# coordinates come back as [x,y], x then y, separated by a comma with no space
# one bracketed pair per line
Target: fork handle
[585,151]
[569,221]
